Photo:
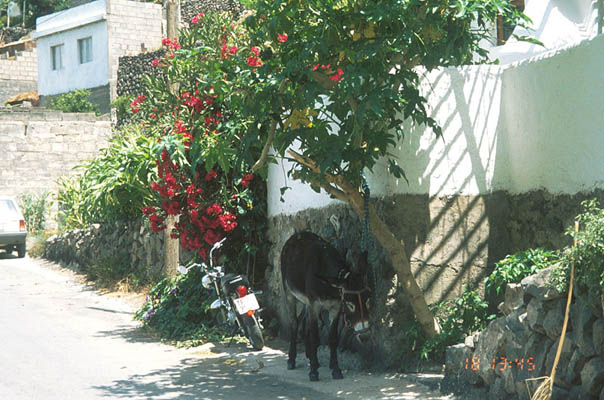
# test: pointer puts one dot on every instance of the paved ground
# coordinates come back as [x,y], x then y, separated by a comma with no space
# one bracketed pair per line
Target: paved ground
[59,339]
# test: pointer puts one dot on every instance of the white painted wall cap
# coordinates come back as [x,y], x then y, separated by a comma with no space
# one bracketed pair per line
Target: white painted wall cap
[74,25]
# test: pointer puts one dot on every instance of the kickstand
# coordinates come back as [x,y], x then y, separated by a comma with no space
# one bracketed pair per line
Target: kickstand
[232,335]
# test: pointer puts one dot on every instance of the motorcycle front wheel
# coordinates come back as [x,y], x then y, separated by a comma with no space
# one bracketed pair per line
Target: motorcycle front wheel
[253,332]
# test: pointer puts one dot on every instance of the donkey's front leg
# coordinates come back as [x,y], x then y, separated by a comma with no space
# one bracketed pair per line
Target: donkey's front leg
[336,372]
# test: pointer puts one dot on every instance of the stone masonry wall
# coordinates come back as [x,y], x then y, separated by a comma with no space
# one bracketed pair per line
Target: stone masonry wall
[38,146]
[452,242]
[10,88]
[133,27]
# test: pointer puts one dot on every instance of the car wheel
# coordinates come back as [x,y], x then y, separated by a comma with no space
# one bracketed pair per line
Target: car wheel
[21,250]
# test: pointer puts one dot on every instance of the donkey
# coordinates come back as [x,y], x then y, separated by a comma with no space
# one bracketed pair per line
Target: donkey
[316,275]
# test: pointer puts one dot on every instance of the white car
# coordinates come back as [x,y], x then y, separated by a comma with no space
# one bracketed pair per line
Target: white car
[12,227]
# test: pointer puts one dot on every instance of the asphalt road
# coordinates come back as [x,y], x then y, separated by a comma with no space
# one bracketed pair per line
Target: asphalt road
[61,340]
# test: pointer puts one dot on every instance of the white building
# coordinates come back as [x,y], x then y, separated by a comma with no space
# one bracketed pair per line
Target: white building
[79,48]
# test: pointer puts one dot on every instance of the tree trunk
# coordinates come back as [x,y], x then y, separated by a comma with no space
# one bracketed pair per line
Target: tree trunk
[171,249]
[400,262]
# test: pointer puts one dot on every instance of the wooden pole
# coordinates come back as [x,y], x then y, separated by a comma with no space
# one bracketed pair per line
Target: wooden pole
[172,18]
[171,246]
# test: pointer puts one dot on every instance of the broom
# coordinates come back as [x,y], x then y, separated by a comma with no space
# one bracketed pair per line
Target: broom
[545,389]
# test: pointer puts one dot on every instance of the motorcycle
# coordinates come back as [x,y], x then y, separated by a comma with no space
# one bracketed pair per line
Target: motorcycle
[236,300]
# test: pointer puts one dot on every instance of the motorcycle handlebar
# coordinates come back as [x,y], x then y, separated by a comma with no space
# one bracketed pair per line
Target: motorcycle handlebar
[216,246]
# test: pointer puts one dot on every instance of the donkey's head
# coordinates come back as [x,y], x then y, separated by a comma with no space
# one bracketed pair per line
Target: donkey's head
[354,294]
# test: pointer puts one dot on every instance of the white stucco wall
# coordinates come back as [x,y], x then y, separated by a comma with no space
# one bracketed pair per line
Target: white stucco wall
[67,27]
[73,75]
[534,124]
[555,23]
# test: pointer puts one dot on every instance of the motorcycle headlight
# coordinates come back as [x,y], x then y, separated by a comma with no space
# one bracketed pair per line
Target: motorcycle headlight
[206,282]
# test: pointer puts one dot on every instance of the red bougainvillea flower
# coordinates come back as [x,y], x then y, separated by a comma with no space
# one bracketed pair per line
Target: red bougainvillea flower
[194,20]
[172,207]
[254,62]
[245,181]
[233,50]
[209,223]
[148,210]
[227,221]
[171,43]
[134,106]
[282,38]
[211,175]
[211,237]
[156,223]
[337,76]
[155,62]
[214,209]
[255,51]
[171,180]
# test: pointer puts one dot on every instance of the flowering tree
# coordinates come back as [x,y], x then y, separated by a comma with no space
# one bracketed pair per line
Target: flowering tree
[336,77]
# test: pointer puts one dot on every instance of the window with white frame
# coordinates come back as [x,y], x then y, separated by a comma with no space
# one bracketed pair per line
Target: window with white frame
[56,57]
[85,50]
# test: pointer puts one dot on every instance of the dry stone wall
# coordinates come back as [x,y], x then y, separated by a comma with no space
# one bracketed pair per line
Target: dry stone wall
[130,242]
[133,27]
[191,8]
[132,69]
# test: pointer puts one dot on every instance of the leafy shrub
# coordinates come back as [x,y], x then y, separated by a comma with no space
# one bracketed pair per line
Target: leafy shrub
[35,209]
[179,309]
[113,186]
[587,255]
[515,267]
[76,101]
[458,318]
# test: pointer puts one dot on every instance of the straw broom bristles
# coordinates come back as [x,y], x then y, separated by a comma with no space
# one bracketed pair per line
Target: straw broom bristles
[545,389]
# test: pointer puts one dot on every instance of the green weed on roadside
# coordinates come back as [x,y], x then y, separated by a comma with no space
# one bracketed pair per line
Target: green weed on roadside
[35,209]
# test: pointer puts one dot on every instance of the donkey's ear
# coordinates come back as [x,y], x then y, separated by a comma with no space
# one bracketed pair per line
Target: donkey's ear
[362,263]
